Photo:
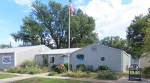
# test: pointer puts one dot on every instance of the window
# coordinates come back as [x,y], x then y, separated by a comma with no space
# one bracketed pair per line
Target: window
[6,60]
[102,58]
[80,57]
[52,59]
[94,48]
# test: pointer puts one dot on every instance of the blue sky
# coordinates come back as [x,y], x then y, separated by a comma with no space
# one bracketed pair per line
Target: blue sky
[13,11]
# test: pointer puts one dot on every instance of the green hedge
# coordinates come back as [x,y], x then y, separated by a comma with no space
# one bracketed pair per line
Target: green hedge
[146,72]
[103,67]
[59,68]
[77,74]
[28,67]
[107,75]
[81,67]
[52,73]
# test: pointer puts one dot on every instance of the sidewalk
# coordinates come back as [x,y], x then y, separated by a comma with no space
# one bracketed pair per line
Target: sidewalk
[44,75]
[20,77]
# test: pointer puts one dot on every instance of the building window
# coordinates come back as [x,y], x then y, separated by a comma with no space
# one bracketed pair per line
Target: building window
[102,58]
[52,59]
[94,48]
[6,60]
[80,57]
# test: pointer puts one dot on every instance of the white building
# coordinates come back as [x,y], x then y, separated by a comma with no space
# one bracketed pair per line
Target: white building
[94,55]
[13,57]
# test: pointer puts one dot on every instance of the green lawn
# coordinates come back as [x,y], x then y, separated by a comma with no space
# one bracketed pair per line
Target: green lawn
[47,80]
[2,76]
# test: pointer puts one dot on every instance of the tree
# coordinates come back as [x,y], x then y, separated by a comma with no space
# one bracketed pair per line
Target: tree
[4,46]
[147,36]
[136,35]
[115,41]
[48,25]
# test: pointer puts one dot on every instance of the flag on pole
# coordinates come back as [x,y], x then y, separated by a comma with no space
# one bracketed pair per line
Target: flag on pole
[71,8]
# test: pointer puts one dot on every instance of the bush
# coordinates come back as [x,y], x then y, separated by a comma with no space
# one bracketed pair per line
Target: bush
[29,64]
[66,65]
[28,67]
[81,67]
[59,68]
[107,75]
[14,70]
[103,67]
[52,73]
[77,74]
[146,72]
[89,68]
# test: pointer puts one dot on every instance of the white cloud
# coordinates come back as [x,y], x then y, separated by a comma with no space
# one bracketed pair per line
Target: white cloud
[112,17]
[24,2]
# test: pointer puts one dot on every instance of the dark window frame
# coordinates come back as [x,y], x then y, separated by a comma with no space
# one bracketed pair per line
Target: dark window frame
[52,59]
[80,56]
[102,58]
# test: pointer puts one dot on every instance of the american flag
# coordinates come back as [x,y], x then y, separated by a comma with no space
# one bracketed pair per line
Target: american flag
[71,8]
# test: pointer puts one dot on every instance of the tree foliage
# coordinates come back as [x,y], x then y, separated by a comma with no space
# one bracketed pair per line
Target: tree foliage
[136,36]
[4,46]
[115,41]
[147,36]
[48,25]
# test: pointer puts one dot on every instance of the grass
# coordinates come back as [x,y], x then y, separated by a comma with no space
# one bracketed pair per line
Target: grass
[2,76]
[48,80]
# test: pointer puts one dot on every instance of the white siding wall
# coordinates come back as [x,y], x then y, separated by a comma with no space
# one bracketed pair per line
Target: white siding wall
[92,57]
[58,59]
[39,60]
[28,54]
[126,61]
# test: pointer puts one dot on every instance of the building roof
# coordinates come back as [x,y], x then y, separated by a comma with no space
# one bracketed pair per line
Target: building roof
[61,51]
[18,49]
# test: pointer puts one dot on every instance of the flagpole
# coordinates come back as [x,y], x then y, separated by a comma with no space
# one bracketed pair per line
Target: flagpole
[69,39]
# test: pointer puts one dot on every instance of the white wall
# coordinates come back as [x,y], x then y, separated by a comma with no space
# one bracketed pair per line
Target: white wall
[28,54]
[92,57]
[58,59]
[126,61]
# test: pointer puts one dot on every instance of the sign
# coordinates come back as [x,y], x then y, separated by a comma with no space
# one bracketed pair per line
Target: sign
[6,60]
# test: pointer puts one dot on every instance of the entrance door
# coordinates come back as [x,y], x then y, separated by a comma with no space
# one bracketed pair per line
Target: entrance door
[45,60]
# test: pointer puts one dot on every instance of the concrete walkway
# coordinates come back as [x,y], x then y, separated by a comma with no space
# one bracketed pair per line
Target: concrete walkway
[20,77]
[44,75]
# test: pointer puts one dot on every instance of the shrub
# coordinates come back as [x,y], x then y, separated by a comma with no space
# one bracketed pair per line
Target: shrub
[107,75]
[89,68]
[59,68]
[44,69]
[77,74]
[52,73]
[103,67]
[29,64]
[66,65]
[14,70]
[146,72]
[28,67]
[81,67]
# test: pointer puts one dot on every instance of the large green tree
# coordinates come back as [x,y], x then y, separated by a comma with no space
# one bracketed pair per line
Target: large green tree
[48,25]
[147,36]
[115,41]
[4,46]
[136,36]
